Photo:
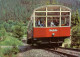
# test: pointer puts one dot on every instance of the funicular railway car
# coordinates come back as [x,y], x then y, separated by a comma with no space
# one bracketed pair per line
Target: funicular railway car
[49,24]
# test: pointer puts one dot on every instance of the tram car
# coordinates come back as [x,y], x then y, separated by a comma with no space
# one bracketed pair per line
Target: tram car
[49,24]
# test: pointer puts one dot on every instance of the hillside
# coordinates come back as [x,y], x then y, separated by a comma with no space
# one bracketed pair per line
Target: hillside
[22,9]
[74,4]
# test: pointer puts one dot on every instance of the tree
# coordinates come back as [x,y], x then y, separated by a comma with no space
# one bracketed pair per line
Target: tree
[75,30]
[73,20]
[77,17]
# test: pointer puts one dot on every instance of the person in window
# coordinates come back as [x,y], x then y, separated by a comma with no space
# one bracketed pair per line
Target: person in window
[42,25]
[52,24]
[56,22]
[39,22]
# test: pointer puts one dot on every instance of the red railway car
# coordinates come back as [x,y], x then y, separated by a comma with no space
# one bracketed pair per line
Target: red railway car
[49,24]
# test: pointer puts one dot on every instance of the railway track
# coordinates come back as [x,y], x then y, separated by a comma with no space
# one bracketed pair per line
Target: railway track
[62,52]
[69,52]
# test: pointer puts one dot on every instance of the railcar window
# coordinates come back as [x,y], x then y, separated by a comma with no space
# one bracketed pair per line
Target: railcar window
[40,22]
[40,14]
[65,18]
[53,21]
[56,8]
[65,21]
[53,14]
[65,13]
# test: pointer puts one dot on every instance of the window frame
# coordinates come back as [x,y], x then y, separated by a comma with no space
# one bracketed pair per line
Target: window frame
[52,16]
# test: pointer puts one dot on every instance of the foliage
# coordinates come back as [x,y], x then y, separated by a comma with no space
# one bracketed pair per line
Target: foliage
[75,18]
[18,31]
[13,28]
[51,2]
[18,9]
[2,34]
[67,43]
[11,41]
[76,30]
[8,39]
[22,9]
[75,38]
[12,46]
[6,52]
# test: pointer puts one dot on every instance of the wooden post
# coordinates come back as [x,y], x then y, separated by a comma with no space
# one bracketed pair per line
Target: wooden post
[60,17]
[34,19]
[70,19]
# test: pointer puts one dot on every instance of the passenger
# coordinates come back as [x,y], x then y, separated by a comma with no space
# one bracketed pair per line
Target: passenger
[56,22]
[42,24]
[39,22]
[52,24]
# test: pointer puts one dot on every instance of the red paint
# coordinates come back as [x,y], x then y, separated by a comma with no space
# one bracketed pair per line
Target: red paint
[45,32]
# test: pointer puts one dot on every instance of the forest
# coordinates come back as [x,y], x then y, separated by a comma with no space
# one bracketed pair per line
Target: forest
[15,15]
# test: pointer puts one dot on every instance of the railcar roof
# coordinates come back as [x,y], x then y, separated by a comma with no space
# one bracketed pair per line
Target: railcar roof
[42,8]
[49,7]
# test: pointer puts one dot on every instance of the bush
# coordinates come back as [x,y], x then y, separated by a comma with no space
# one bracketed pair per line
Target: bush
[67,43]
[76,36]
[2,34]
[7,31]
[18,31]
[5,51]
[7,26]
[8,52]
[11,41]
